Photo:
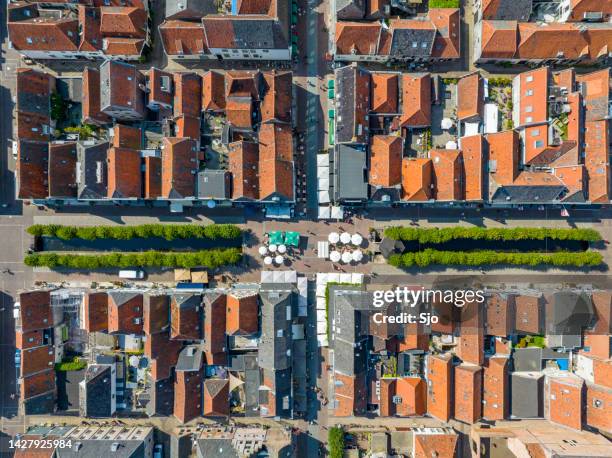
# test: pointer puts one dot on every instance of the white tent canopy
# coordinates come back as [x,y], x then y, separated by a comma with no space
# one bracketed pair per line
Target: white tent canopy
[323,172]
[471,128]
[337,212]
[491,115]
[345,238]
[335,256]
[324,197]
[447,123]
[345,278]
[322,160]
[323,184]
[324,212]
[322,249]
[451,144]
[356,278]
[356,239]
[333,237]
[346,257]
[267,276]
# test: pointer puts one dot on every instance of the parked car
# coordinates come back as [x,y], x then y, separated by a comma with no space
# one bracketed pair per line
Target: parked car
[133,274]
[16,308]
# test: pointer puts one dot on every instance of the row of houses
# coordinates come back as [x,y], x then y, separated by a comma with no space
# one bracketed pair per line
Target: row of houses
[119,30]
[540,138]
[179,353]
[517,356]
[156,136]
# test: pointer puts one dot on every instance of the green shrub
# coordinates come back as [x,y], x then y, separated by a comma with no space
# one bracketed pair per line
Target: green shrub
[435,235]
[335,442]
[444,3]
[489,257]
[210,259]
[71,364]
[167,231]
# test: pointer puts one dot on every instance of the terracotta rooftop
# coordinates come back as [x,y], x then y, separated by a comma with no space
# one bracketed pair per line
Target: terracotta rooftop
[125,136]
[62,170]
[45,34]
[124,22]
[32,169]
[216,397]
[35,310]
[470,97]
[385,87]
[435,445]
[124,173]
[183,38]
[276,159]
[244,167]
[416,100]
[499,39]
[503,156]
[242,314]
[213,91]
[276,104]
[357,38]
[447,174]
[447,21]
[160,87]
[187,90]
[533,96]
[179,164]
[597,161]
[417,178]
[496,388]
[472,150]
[385,160]
[350,395]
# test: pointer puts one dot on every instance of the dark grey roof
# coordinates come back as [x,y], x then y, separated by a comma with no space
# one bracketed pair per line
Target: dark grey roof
[189,9]
[511,10]
[350,9]
[92,173]
[259,34]
[527,394]
[389,246]
[29,102]
[190,358]
[22,12]
[121,297]
[213,184]
[282,391]
[39,405]
[70,88]
[275,341]
[346,82]
[527,359]
[96,391]
[384,195]
[412,42]
[252,382]
[350,179]
[218,448]
[187,300]
[567,313]
[161,397]
[528,194]
[103,448]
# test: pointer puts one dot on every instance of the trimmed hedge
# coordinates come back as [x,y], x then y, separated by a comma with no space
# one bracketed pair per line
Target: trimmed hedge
[443,3]
[335,442]
[210,259]
[487,257]
[435,235]
[166,231]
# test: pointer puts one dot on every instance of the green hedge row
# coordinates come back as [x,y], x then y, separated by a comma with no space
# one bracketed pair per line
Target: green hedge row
[210,259]
[167,231]
[487,257]
[435,235]
[443,3]
[335,442]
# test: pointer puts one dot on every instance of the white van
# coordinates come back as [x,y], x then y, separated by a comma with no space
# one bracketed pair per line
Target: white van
[131,274]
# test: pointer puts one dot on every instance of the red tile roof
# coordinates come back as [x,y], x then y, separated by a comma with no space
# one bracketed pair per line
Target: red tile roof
[596,160]
[124,173]
[38,359]
[385,160]
[153,177]
[417,178]
[124,22]
[244,167]
[127,137]
[216,397]
[34,90]
[447,174]
[350,395]
[496,388]
[35,310]
[439,379]
[385,92]
[533,96]
[499,39]
[187,395]
[188,127]
[184,318]
[416,100]
[580,7]
[89,22]
[471,342]
[187,90]
[411,393]
[116,46]
[266,7]
[183,38]
[499,315]
[162,353]
[472,150]
[503,155]
[239,112]
[435,445]
[276,103]
[95,307]
[528,311]
[45,34]
[125,313]
[242,314]
[357,38]
[34,385]
[470,97]
[213,91]
[32,169]
[565,399]
[62,170]
[447,44]
[596,93]
[179,164]
[156,310]
[276,159]
[468,393]
[157,93]
[214,329]
[91,97]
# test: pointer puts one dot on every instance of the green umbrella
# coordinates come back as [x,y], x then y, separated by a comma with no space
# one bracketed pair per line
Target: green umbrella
[294,8]
[292,238]
[276,237]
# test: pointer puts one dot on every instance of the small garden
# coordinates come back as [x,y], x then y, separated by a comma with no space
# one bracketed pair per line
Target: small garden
[209,259]
[71,363]
[500,92]
[165,231]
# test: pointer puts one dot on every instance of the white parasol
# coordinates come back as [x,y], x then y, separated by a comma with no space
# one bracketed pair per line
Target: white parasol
[282,249]
[346,257]
[345,238]
[268,260]
[278,259]
[263,250]
[335,256]
[272,248]
[357,255]
[356,239]
[333,237]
